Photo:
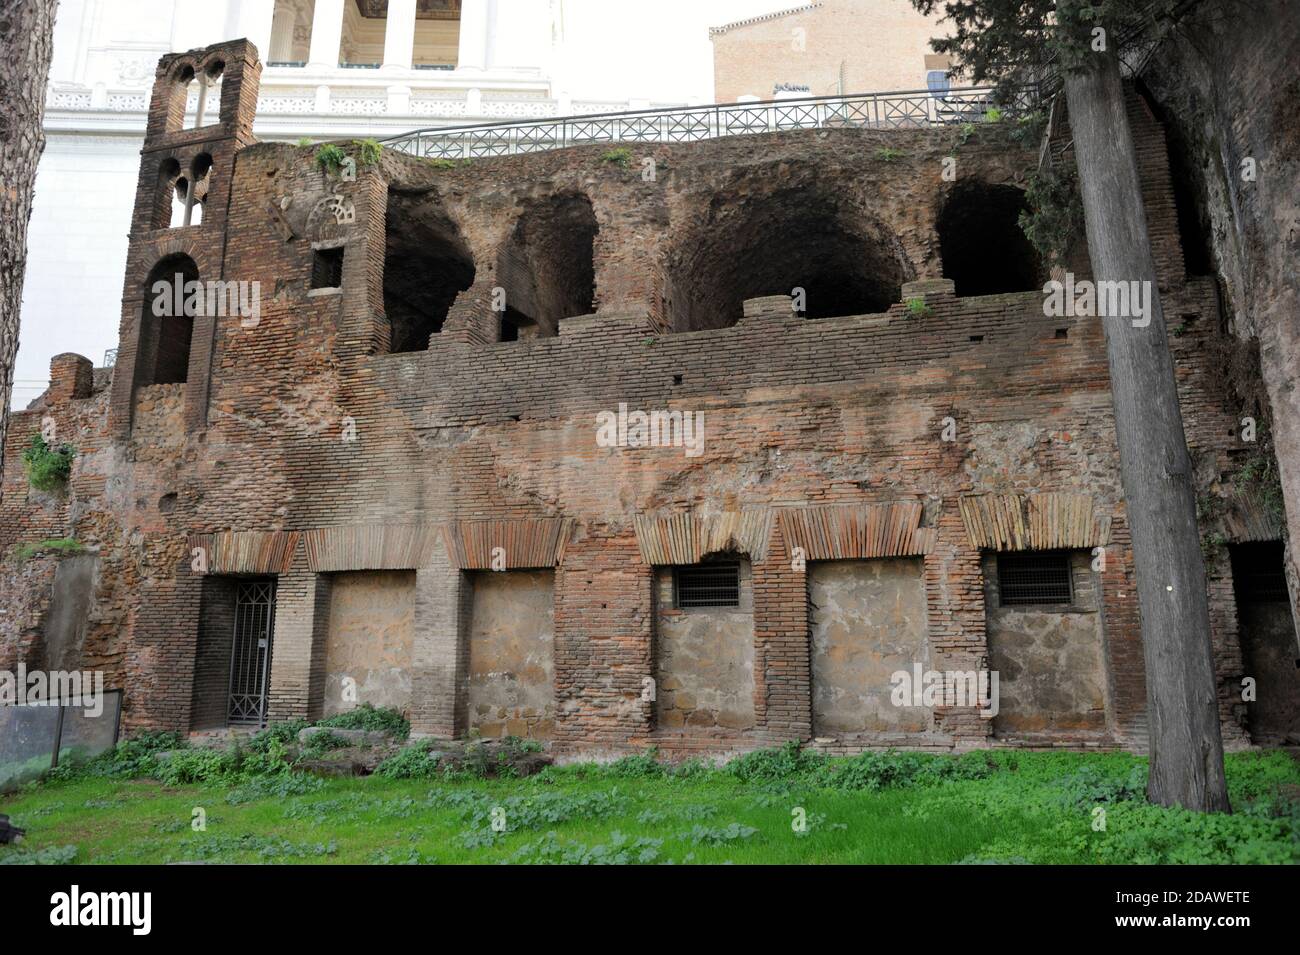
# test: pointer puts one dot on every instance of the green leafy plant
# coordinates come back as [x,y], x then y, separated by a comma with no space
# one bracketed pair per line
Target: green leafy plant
[56,545]
[304,141]
[1028,129]
[330,158]
[369,151]
[1054,220]
[619,156]
[438,162]
[368,717]
[993,115]
[965,132]
[47,467]
[889,154]
[916,308]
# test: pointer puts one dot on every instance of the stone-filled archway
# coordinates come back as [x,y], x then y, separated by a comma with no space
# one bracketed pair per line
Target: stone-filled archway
[427,263]
[985,252]
[804,236]
[546,266]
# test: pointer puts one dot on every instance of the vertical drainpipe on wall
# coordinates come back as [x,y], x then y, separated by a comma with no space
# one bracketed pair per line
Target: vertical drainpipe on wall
[842,64]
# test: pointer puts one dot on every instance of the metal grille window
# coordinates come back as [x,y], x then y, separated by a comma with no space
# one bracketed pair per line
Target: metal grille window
[1035,577]
[250,660]
[706,585]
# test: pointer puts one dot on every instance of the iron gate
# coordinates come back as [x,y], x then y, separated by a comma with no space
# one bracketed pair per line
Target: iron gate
[250,659]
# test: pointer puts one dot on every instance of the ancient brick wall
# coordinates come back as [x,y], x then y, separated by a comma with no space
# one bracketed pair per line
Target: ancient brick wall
[302,447]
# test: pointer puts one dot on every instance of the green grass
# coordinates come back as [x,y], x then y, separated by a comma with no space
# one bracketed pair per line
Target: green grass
[880,808]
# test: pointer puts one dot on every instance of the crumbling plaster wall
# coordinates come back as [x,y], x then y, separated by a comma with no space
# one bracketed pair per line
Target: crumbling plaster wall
[869,621]
[369,640]
[1050,660]
[512,654]
[704,659]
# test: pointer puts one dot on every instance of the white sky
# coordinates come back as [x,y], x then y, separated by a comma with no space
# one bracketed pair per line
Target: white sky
[658,51]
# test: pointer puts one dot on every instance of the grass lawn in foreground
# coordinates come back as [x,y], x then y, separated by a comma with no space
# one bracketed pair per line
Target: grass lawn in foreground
[878,808]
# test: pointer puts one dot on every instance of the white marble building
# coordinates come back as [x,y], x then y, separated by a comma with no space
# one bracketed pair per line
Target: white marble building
[334,68]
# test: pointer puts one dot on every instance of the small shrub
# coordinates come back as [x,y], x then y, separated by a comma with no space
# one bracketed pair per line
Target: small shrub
[775,764]
[368,717]
[188,766]
[966,131]
[129,759]
[993,115]
[412,762]
[638,766]
[330,158]
[47,468]
[916,308]
[620,156]
[304,141]
[438,162]
[888,154]
[369,151]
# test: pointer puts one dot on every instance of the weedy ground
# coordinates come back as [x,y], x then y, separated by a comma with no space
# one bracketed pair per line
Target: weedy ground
[773,806]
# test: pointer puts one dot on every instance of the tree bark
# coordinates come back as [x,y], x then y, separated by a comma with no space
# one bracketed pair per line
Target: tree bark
[1186,743]
[26,43]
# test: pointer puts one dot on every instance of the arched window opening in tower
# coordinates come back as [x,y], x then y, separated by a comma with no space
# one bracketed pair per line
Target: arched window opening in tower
[163,354]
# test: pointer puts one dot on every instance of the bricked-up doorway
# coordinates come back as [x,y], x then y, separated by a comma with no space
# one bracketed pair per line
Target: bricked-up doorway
[427,263]
[985,252]
[704,647]
[250,657]
[511,635]
[1268,643]
[868,622]
[1043,618]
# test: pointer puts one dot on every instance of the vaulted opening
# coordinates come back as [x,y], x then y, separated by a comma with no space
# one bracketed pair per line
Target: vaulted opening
[167,323]
[803,238]
[546,267]
[426,265]
[985,252]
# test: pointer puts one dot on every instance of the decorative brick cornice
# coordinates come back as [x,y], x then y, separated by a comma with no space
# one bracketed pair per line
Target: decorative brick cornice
[688,538]
[371,547]
[1248,519]
[245,552]
[1033,521]
[857,531]
[538,542]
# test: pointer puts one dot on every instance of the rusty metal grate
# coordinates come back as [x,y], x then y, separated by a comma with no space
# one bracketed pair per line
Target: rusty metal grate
[706,585]
[1034,577]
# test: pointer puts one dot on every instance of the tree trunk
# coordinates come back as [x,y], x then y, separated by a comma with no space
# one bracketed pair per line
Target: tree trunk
[1186,744]
[26,41]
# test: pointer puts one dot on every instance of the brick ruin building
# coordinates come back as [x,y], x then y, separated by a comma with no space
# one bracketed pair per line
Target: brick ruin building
[387,489]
